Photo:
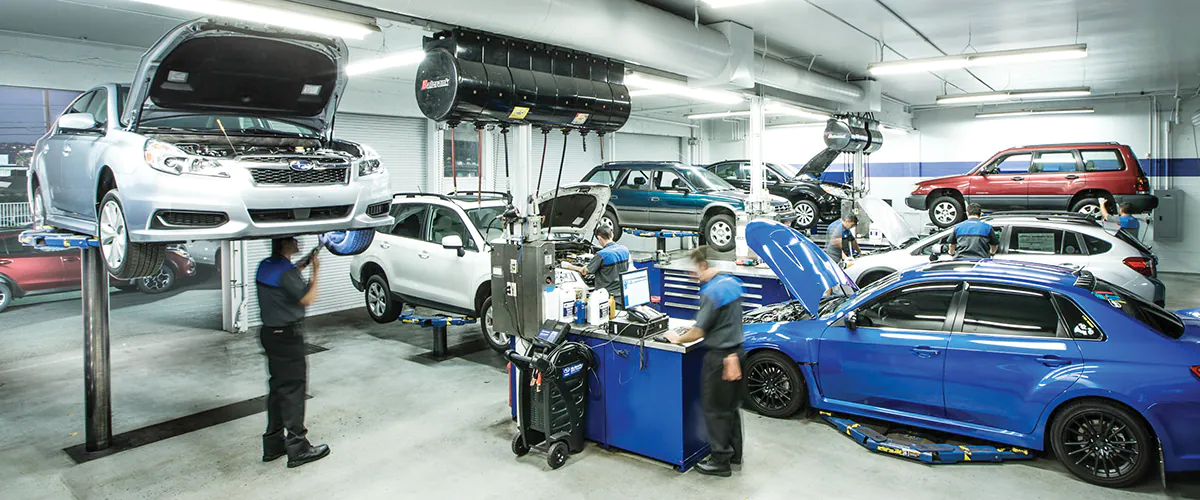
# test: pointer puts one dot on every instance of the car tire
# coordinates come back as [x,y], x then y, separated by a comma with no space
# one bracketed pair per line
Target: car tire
[946,211]
[124,259]
[720,231]
[497,341]
[610,220]
[1087,206]
[159,283]
[774,385]
[349,242]
[6,296]
[381,306]
[37,207]
[808,213]
[1102,432]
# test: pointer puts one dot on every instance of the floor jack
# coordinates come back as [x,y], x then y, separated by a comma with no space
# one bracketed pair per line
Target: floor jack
[933,454]
[552,391]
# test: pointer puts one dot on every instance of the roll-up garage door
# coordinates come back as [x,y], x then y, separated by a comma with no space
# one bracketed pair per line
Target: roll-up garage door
[642,147]
[400,143]
[577,164]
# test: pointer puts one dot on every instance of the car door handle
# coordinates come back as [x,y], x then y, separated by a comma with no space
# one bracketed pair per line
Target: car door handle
[1018,178]
[423,254]
[612,197]
[385,245]
[5,262]
[925,351]
[66,150]
[655,198]
[70,259]
[1053,361]
[1072,177]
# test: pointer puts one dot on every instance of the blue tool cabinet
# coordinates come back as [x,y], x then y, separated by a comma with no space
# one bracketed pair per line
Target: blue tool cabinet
[681,292]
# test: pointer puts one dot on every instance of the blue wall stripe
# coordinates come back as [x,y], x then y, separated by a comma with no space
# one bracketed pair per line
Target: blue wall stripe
[1173,167]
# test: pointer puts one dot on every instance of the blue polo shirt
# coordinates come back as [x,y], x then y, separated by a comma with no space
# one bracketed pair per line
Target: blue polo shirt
[280,288]
[973,239]
[607,266]
[834,251]
[720,314]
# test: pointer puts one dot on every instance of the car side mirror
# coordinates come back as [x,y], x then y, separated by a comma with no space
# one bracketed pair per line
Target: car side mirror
[852,320]
[77,122]
[454,242]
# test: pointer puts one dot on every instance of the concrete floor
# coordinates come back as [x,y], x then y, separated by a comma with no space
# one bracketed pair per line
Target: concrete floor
[399,425]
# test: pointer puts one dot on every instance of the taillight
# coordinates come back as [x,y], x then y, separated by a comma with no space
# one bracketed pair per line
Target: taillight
[1143,184]
[1142,265]
[1196,370]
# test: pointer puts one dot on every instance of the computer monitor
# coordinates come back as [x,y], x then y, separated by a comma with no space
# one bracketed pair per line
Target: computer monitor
[635,286]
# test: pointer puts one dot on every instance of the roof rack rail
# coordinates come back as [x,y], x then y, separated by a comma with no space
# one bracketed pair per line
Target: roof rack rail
[1042,213]
[414,195]
[485,194]
[1068,144]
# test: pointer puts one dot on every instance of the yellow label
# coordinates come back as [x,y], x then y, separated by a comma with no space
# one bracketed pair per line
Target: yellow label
[518,113]
[580,118]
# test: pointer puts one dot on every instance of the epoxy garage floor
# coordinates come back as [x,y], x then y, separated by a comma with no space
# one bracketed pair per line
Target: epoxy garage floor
[401,426]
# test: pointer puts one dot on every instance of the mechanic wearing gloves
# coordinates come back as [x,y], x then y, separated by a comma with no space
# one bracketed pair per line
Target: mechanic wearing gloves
[282,297]
[973,238]
[719,323]
[1129,224]
[841,236]
[607,265]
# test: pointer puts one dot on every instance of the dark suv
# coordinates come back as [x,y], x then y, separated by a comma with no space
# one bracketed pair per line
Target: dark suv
[1075,177]
[814,200]
[669,195]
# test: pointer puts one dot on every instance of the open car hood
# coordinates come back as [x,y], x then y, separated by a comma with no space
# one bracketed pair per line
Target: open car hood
[819,163]
[577,209]
[883,216]
[805,270]
[209,67]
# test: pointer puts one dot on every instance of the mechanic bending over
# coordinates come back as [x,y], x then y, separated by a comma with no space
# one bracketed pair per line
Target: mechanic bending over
[973,238]
[841,238]
[282,297]
[608,264]
[1129,224]
[719,323]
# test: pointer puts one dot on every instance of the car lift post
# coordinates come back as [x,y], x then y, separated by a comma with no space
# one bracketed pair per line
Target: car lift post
[96,369]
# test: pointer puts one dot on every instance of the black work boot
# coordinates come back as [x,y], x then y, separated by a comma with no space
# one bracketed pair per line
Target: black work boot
[273,446]
[709,467]
[300,452]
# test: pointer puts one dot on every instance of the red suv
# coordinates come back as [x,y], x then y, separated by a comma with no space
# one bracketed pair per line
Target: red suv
[28,271]
[1071,177]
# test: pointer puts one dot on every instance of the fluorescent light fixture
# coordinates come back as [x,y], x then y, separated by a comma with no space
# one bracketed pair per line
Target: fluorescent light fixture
[289,17]
[1012,95]
[1028,112]
[896,130]
[648,85]
[772,109]
[717,4]
[723,114]
[996,58]
[393,60]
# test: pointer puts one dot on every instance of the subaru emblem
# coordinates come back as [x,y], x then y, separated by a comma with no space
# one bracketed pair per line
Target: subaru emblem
[301,165]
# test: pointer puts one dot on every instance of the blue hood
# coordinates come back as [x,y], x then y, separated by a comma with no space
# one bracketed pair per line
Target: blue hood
[805,270]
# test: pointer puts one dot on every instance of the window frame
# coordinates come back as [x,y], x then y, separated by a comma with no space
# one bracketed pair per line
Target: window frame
[992,168]
[951,315]
[1072,152]
[628,173]
[469,243]
[1118,152]
[424,225]
[88,96]
[616,176]
[1007,246]
[735,166]
[1055,298]
[960,315]
[656,184]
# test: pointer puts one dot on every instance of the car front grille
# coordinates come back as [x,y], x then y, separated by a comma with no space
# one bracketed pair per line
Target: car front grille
[783,208]
[299,214]
[283,177]
[179,219]
[378,209]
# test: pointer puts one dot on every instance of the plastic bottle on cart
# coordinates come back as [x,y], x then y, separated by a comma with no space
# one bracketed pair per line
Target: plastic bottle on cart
[552,306]
[597,307]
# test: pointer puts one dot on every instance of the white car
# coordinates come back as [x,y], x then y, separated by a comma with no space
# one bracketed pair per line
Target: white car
[1061,240]
[437,254]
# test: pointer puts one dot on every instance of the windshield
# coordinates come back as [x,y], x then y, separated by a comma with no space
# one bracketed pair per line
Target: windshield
[487,221]
[233,125]
[704,180]
[783,169]
[836,304]
[1161,320]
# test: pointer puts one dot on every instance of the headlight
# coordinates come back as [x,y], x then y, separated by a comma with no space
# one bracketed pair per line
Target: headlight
[834,190]
[369,163]
[172,160]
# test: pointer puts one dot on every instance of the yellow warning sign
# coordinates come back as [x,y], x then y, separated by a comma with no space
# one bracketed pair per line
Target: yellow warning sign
[518,113]
[580,118]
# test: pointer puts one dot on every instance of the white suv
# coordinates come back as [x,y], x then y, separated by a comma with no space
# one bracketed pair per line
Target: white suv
[1061,240]
[437,254]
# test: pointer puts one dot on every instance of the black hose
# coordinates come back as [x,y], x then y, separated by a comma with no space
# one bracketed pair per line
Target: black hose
[558,183]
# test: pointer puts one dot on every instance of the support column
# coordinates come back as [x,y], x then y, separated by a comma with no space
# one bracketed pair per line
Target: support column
[759,200]
[96,370]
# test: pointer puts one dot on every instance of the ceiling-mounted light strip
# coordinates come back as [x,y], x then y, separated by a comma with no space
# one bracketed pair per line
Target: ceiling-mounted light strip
[717,4]
[1012,95]
[648,85]
[290,18]
[996,58]
[723,114]
[393,60]
[772,109]
[1028,112]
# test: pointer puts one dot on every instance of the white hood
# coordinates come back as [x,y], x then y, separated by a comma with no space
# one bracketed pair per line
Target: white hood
[576,210]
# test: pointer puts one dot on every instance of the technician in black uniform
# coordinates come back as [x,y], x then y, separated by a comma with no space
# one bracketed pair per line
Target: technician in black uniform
[282,297]
[719,323]
[609,262]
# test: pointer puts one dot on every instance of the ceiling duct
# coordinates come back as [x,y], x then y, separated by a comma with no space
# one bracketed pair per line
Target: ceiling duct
[626,30]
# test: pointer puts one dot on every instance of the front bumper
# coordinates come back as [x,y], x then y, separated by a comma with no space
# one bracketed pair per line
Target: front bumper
[916,202]
[148,193]
[1138,202]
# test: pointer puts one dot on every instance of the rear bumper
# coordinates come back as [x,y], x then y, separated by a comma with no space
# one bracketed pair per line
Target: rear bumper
[1139,202]
[915,202]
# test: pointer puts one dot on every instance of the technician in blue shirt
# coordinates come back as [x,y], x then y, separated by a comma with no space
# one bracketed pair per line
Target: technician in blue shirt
[973,238]
[1129,224]
[607,265]
[841,238]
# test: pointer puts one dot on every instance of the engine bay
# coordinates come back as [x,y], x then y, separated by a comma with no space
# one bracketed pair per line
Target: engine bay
[775,313]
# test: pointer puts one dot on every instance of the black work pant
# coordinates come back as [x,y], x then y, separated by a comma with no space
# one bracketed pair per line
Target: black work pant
[284,347]
[722,402]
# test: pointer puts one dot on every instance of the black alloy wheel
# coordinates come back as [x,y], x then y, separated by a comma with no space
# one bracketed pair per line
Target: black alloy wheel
[774,385]
[1103,444]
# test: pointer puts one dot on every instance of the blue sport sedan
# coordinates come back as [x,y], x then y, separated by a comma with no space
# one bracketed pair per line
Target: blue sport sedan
[1028,355]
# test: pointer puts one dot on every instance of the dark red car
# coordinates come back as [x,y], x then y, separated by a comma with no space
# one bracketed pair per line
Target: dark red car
[1073,177]
[27,271]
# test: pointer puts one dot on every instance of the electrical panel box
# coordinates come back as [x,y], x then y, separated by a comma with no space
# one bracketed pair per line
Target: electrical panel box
[1168,217]
[520,275]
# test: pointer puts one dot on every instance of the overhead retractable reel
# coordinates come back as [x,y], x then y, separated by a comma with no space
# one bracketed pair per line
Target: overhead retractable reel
[474,77]
[853,134]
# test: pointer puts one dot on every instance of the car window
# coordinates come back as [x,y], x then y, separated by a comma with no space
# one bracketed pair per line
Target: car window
[934,245]
[99,107]
[487,221]
[446,222]
[667,180]
[410,220]
[81,105]
[1102,161]
[637,179]
[1011,164]
[1002,310]
[1053,162]
[770,176]
[1077,323]
[1037,240]
[920,307]
[727,171]
[1096,245]
[606,177]
[744,172]
[1161,320]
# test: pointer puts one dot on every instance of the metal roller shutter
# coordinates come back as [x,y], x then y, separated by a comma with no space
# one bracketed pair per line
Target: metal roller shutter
[577,163]
[642,147]
[334,290]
